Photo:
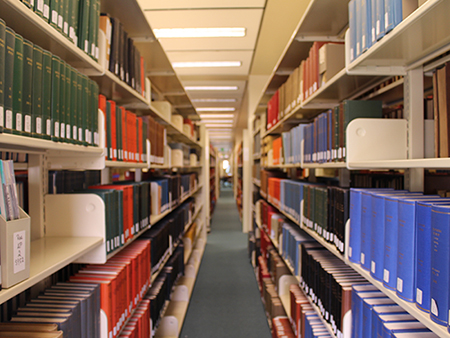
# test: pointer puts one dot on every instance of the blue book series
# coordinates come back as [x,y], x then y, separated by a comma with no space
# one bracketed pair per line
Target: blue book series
[377,311]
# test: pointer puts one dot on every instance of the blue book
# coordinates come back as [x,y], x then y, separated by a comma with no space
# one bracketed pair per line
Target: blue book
[368,305]
[358,27]
[373,12]
[423,252]
[390,329]
[377,311]
[440,263]
[380,27]
[393,14]
[377,231]
[406,255]
[330,135]
[366,226]
[383,319]
[366,25]
[358,295]
[353,28]
[286,138]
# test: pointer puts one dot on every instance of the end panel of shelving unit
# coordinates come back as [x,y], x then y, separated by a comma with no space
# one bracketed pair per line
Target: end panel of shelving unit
[376,140]
[77,215]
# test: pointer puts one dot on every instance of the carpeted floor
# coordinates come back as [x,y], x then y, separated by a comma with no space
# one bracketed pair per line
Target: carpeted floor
[226,301]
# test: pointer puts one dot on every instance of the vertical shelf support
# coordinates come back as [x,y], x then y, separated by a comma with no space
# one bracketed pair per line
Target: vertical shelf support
[413,100]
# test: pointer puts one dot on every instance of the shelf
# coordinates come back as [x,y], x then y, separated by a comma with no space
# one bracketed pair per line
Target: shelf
[323,20]
[331,165]
[257,182]
[47,256]
[412,43]
[32,27]
[256,156]
[282,166]
[20,166]
[127,165]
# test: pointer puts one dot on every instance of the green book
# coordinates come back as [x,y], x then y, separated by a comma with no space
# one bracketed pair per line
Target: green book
[46,11]
[39,7]
[97,30]
[56,85]
[2,72]
[61,16]
[85,110]
[62,101]
[36,108]
[80,108]
[74,12]
[108,131]
[119,215]
[17,118]
[89,114]
[74,102]
[28,51]
[54,13]
[46,95]
[92,27]
[95,127]
[27,3]
[66,16]
[83,25]
[68,96]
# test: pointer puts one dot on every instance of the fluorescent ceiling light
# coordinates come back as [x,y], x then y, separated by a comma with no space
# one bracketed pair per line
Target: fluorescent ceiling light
[206,64]
[211,88]
[214,100]
[215,109]
[199,32]
[213,130]
[228,125]
[216,116]
[206,122]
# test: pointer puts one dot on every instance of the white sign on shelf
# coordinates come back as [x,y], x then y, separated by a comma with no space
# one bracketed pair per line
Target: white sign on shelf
[19,251]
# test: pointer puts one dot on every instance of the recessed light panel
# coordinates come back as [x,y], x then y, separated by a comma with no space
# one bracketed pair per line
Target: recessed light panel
[199,32]
[206,64]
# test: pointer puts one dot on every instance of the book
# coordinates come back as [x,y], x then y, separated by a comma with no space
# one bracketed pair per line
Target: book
[47,95]
[17,95]
[83,25]
[55,97]
[2,72]
[10,40]
[37,94]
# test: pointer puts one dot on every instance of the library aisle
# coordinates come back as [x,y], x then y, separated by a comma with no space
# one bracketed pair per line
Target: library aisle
[226,300]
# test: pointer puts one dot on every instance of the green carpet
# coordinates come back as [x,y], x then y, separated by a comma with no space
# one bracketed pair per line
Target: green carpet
[225,301]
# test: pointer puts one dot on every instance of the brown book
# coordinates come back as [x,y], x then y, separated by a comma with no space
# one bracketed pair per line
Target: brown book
[16,327]
[436,114]
[443,81]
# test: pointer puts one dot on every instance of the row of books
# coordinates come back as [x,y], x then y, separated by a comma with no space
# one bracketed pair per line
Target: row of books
[371,20]
[441,88]
[157,135]
[139,323]
[325,138]
[126,134]
[43,96]
[160,292]
[375,315]
[325,60]
[77,20]
[122,57]
[269,295]
[166,234]
[303,317]
[66,181]
[282,328]
[16,330]
[402,239]
[377,179]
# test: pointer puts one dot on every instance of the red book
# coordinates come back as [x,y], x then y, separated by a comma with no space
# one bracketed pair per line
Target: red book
[134,127]
[124,134]
[113,130]
[141,151]
[102,107]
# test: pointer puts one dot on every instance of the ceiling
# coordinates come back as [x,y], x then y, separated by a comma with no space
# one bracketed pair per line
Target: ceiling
[257,52]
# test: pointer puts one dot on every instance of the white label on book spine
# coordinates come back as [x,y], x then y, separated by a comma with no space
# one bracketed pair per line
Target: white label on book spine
[19,251]
[71,32]
[8,122]
[32,3]
[434,308]
[374,37]
[60,21]
[66,28]
[363,257]
[68,128]
[386,276]
[372,267]
[19,121]
[86,46]
[63,130]
[399,284]
[378,27]
[28,123]
[363,41]
[74,132]
[46,11]
[48,127]
[56,129]
[38,125]
[54,17]
[386,20]
[80,134]
[40,5]
[419,295]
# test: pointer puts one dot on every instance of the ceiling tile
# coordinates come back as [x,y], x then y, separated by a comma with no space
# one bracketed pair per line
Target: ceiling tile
[248,18]
[178,4]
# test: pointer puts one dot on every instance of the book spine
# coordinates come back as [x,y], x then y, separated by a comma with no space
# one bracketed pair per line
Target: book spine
[68,104]
[73,29]
[74,105]
[17,118]
[2,72]
[390,244]
[81,109]
[380,24]
[55,97]
[366,228]
[10,38]
[37,99]
[46,95]
[62,100]
[95,122]
[27,86]
[53,13]
[354,250]
[440,264]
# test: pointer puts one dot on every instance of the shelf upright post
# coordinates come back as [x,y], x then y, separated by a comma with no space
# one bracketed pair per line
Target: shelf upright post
[37,189]
[413,108]
[247,183]
[204,175]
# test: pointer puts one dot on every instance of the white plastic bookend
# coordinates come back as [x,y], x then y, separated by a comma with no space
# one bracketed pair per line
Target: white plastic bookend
[77,215]
[347,238]
[189,271]
[196,255]
[148,153]
[376,140]
[15,250]
[284,282]
[168,327]
[180,294]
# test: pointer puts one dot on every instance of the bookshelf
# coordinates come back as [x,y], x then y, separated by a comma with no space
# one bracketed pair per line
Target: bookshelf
[51,253]
[402,61]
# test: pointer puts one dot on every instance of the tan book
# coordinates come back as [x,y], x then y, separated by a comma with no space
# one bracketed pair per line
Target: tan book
[15,327]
